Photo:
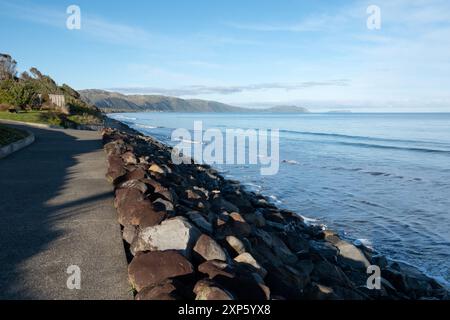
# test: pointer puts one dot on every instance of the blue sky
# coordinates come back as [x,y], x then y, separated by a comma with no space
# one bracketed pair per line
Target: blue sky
[318,54]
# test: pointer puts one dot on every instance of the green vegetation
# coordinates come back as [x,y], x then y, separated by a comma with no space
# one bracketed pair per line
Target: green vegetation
[10,135]
[43,117]
[35,97]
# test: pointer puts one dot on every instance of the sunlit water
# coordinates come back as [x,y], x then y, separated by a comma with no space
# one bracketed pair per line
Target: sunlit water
[380,178]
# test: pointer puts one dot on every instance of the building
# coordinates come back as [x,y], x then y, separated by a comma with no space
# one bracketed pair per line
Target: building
[57,100]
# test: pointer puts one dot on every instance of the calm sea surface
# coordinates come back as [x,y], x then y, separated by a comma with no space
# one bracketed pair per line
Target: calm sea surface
[383,179]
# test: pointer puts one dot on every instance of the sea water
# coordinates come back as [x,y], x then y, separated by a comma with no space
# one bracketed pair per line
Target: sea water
[381,179]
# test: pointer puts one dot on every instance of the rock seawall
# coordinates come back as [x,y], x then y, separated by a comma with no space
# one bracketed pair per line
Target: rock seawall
[191,234]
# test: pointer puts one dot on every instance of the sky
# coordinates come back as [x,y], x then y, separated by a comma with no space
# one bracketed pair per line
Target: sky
[312,53]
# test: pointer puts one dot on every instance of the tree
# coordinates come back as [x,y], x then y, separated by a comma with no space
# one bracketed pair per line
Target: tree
[21,95]
[7,67]
[36,73]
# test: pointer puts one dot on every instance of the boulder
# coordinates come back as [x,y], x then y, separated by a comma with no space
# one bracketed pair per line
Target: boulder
[209,249]
[282,251]
[192,195]
[274,216]
[240,201]
[163,205]
[116,168]
[287,282]
[172,234]
[321,292]
[129,158]
[134,184]
[161,291]
[134,209]
[129,233]
[137,174]
[200,221]
[152,268]
[236,244]
[349,255]
[219,204]
[264,237]
[239,226]
[329,274]
[248,259]
[296,242]
[256,219]
[154,168]
[114,148]
[325,249]
[208,290]
[214,268]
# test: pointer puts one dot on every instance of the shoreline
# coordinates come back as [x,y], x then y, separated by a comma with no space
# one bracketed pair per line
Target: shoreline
[323,254]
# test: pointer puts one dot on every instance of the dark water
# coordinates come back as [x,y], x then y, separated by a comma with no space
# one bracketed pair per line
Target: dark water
[383,179]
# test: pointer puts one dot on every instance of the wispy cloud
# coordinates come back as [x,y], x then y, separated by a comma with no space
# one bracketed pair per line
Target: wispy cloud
[91,25]
[307,25]
[227,90]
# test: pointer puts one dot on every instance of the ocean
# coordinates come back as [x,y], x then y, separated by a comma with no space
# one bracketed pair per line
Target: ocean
[380,179]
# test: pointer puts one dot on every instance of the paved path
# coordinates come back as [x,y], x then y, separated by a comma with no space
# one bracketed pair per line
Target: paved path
[56,210]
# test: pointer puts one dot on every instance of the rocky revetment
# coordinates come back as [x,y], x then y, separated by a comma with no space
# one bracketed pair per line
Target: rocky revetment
[192,234]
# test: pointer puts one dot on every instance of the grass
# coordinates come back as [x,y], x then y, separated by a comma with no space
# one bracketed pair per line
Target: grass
[43,117]
[10,135]
[84,119]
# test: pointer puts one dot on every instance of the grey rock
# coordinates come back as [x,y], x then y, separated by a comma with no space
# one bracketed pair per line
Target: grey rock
[172,234]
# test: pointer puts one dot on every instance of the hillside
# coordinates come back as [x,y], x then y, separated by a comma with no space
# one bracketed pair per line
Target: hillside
[116,102]
[286,109]
[112,102]
[32,96]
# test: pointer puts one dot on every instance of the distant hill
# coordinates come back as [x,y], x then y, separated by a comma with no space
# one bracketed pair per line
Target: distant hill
[113,102]
[117,102]
[286,109]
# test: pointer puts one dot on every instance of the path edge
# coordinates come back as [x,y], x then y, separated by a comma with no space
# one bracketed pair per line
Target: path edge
[18,145]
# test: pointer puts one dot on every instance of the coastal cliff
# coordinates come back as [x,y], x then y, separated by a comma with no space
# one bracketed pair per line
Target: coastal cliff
[192,234]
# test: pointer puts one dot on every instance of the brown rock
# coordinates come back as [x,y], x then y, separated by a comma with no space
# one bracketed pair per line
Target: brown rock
[136,174]
[321,292]
[239,225]
[209,249]
[135,184]
[134,209]
[154,168]
[208,290]
[149,269]
[116,168]
[129,158]
[248,259]
[161,291]
[216,268]
[114,148]
[192,195]
[236,244]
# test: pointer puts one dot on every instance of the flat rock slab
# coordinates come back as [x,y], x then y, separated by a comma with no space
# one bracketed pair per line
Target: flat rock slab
[56,210]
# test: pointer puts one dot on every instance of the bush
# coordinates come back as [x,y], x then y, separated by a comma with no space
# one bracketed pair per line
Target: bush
[21,95]
[4,107]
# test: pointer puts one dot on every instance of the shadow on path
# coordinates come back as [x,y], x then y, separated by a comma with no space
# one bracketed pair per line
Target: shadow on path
[40,188]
